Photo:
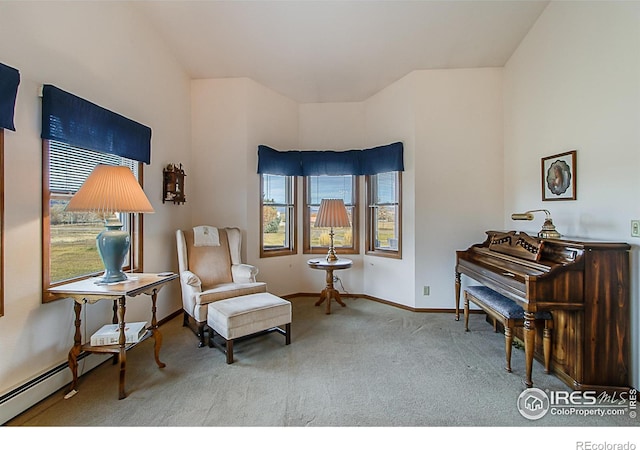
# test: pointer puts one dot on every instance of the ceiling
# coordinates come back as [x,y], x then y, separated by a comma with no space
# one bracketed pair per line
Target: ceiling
[337,51]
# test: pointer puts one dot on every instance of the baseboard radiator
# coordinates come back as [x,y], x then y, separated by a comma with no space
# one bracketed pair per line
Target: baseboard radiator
[18,399]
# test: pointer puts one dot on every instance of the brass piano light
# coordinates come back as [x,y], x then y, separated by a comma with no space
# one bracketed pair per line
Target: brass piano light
[548,228]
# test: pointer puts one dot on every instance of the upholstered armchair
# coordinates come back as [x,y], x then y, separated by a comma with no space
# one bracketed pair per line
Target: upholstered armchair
[211,269]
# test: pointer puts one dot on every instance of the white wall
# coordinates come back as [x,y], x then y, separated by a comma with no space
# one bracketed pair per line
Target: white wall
[451,124]
[332,126]
[574,83]
[231,117]
[103,52]
[391,117]
[219,139]
[458,167]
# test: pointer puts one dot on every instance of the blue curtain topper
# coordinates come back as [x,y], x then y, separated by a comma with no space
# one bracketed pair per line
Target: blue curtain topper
[9,81]
[78,122]
[386,158]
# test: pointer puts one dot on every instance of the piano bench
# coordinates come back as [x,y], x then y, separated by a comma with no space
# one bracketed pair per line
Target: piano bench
[510,314]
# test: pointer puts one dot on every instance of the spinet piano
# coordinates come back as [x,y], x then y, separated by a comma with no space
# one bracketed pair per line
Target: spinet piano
[585,285]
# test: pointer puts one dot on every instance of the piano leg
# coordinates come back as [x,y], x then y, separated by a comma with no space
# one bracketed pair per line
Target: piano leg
[546,345]
[457,296]
[529,344]
[466,312]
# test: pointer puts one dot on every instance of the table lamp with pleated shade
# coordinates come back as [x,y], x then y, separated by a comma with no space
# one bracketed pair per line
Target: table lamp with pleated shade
[111,190]
[332,213]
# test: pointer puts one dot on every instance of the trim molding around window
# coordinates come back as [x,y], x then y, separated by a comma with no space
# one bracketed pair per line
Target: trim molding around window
[278,214]
[64,188]
[384,214]
[312,199]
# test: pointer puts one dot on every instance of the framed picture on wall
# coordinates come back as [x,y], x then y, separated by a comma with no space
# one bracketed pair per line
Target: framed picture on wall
[559,176]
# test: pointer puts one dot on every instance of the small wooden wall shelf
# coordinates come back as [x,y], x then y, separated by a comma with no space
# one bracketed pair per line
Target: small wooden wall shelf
[173,184]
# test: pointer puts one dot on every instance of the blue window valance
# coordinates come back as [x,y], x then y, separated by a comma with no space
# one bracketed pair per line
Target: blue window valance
[386,158]
[9,81]
[78,122]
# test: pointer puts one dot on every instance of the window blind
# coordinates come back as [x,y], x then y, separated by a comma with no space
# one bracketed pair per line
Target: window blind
[69,166]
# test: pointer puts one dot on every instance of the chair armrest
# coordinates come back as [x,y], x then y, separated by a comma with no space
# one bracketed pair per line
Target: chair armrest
[189,278]
[244,273]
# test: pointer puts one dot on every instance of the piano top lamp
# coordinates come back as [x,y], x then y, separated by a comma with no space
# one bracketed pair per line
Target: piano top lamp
[332,213]
[110,190]
[548,228]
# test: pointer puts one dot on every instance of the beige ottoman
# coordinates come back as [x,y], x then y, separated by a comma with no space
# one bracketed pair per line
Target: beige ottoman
[246,316]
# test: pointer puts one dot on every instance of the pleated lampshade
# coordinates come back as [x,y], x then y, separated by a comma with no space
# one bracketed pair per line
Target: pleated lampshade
[110,189]
[332,213]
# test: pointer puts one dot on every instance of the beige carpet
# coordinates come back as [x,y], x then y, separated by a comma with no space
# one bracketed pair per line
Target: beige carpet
[366,365]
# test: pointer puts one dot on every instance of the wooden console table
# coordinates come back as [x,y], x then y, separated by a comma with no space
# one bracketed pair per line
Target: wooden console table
[329,291]
[88,291]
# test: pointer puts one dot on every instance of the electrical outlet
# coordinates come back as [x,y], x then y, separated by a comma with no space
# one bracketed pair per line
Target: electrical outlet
[635,228]
[426,290]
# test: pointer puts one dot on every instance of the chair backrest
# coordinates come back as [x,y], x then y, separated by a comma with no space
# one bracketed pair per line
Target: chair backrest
[212,264]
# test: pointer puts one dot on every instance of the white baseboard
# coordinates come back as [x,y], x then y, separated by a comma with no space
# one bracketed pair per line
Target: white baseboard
[22,397]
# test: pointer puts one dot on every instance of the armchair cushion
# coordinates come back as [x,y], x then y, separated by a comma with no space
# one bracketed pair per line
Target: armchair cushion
[228,290]
[223,292]
[191,279]
[244,273]
[212,264]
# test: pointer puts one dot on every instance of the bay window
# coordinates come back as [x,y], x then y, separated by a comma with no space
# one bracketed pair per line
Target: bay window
[384,225]
[277,215]
[345,187]
[330,174]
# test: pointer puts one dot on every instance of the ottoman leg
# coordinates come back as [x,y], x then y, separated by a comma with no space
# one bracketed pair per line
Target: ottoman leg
[211,338]
[229,351]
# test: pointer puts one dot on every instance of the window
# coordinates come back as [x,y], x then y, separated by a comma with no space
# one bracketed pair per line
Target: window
[69,239]
[278,215]
[316,240]
[384,225]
